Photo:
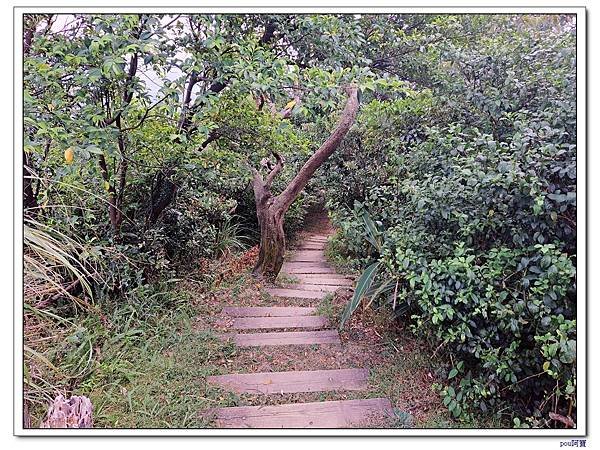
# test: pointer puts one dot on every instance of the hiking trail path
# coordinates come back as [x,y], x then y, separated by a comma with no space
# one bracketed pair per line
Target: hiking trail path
[254,327]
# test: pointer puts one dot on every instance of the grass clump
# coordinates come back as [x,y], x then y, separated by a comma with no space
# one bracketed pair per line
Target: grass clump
[140,362]
[327,308]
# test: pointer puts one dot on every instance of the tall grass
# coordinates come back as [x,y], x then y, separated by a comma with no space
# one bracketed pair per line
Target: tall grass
[53,261]
[231,237]
[83,336]
[56,349]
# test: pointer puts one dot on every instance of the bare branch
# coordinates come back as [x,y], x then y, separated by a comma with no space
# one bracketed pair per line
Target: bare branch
[145,116]
[291,192]
[567,421]
[187,98]
[275,170]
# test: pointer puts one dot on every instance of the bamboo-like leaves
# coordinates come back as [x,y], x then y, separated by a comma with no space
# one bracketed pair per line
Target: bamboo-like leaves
[362,287]
[372,233]
[380,288]
[48,256]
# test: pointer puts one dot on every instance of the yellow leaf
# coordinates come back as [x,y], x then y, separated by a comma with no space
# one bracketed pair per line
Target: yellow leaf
[546,365]
[69,154]
[106,186]
[290,105]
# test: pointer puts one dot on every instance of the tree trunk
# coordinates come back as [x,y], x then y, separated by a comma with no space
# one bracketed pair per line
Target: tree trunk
[270,210]
[272,243]
[29,197]
[163,194]
[114,213]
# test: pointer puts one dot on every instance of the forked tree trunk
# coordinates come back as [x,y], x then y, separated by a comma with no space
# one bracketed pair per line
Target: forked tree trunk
[271,210]
[272,243]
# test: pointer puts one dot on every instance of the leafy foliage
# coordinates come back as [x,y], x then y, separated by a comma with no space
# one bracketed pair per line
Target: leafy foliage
[454,193]
[471,189]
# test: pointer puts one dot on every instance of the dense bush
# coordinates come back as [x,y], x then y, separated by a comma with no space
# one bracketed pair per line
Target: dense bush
[464,209]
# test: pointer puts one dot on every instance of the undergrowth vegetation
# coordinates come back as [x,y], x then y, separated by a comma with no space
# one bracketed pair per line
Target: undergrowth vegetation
[461,205]
[454,194]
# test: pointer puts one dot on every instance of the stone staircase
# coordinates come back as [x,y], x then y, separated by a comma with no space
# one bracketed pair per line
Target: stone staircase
[252,327]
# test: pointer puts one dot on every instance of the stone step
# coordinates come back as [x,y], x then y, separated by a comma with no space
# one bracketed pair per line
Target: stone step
[254,323]
[302,264]
[331,276]
[315,237]
[287,338]
[268,311]
[295,293]
[307,259]
[311,270]
[311,287]
[323,279]
[307,256]
[300,244]
[332,414]
[310,245]
[295,381]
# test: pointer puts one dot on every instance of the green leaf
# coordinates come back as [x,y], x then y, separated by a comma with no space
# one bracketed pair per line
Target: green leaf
[517,422]
[373,235]
[362,286]
[569,352]
[452,406]
[457,410]
[377,289]
[452,373]
[94,149]
[94,47]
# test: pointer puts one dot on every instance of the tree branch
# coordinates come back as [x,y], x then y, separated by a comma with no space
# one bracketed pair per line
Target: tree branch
[187,98]
[212,136]
[267,36]
[128,93]
[275,170]
[112,194]
[145,116]
[291,192]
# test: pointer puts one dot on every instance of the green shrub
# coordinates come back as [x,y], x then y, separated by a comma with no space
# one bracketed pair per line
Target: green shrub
[464,221]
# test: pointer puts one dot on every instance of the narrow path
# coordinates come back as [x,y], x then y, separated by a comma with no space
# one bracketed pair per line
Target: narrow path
[254,327]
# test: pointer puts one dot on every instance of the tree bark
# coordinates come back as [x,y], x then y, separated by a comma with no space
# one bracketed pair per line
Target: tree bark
[163,194]
[113,210]
[272,243]
[271,210]
[184,121]
[29,197]
[347,118]
[270,220]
